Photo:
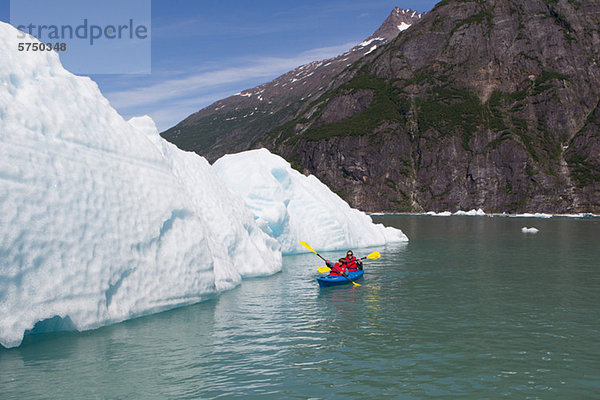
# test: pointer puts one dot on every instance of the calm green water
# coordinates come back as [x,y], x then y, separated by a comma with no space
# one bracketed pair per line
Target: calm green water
[470,308]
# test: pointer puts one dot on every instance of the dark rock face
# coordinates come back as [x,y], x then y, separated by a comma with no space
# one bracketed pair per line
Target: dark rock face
[480,104]
[583,160]
[345,106]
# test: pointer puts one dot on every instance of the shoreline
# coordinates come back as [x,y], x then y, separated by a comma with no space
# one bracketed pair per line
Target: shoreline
[480,213]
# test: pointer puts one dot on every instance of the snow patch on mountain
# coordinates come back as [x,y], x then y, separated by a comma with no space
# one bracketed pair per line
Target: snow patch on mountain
[403,26]
[373,48]
[369,41]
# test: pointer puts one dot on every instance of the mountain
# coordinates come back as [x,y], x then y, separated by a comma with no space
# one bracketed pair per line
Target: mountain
[479,104]
[238,122]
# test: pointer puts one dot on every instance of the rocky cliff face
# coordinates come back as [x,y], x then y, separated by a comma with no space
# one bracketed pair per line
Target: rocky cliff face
[492,104]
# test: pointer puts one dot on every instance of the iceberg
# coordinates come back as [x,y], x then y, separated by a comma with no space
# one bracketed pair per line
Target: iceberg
[529,230]
[292,207]
[224,213]
[100,219]
[533,215]
[580,215]
[471,213]
[440,214]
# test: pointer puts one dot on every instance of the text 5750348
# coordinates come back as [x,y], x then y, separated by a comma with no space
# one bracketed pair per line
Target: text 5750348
[29,46]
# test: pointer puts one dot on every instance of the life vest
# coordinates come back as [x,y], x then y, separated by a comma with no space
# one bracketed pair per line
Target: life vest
[351,263]
[337,269]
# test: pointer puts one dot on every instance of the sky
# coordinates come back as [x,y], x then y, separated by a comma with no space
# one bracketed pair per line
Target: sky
[203,51]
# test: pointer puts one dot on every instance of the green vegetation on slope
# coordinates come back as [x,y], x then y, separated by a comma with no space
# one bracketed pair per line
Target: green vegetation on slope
[384,107]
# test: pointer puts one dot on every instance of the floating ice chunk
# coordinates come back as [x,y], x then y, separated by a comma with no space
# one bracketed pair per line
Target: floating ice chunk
[471,213]
[102,220]
[535,215]
[297,207]
[529,230]
[581,215]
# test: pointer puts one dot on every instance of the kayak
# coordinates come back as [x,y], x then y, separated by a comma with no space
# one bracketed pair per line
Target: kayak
[325,281]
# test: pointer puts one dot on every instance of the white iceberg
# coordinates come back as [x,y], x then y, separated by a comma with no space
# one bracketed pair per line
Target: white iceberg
[580,215]
[471,213]
[292,207]
[224,213]
[101,221]
[529,230]
[440,214]
[533,215]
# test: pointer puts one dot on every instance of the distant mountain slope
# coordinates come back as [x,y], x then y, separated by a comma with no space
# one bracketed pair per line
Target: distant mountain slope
[491,104]
[235,123]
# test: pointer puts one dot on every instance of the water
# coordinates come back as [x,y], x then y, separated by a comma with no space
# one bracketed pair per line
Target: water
[470,308]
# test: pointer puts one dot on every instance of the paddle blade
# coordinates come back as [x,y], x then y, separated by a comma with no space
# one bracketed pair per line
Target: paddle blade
[307,246]
[356,284]
[323,269]
[373,256]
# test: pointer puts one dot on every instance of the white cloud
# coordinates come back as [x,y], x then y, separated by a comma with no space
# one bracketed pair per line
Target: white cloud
[166,116]
[203,83]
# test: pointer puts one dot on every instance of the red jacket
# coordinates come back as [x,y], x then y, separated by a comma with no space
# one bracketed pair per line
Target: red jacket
[338,269]
[352,264]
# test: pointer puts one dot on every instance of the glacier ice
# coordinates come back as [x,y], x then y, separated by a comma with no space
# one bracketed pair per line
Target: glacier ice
[292,207]
[440,214]
[101,220]
[534,215]
[224,213]
[529,230]
[472,213]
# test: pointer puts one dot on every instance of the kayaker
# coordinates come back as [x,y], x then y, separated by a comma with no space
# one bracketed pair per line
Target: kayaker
[339,268]
[354,264]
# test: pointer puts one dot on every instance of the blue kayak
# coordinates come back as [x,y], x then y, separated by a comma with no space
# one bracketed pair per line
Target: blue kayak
[325,281]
